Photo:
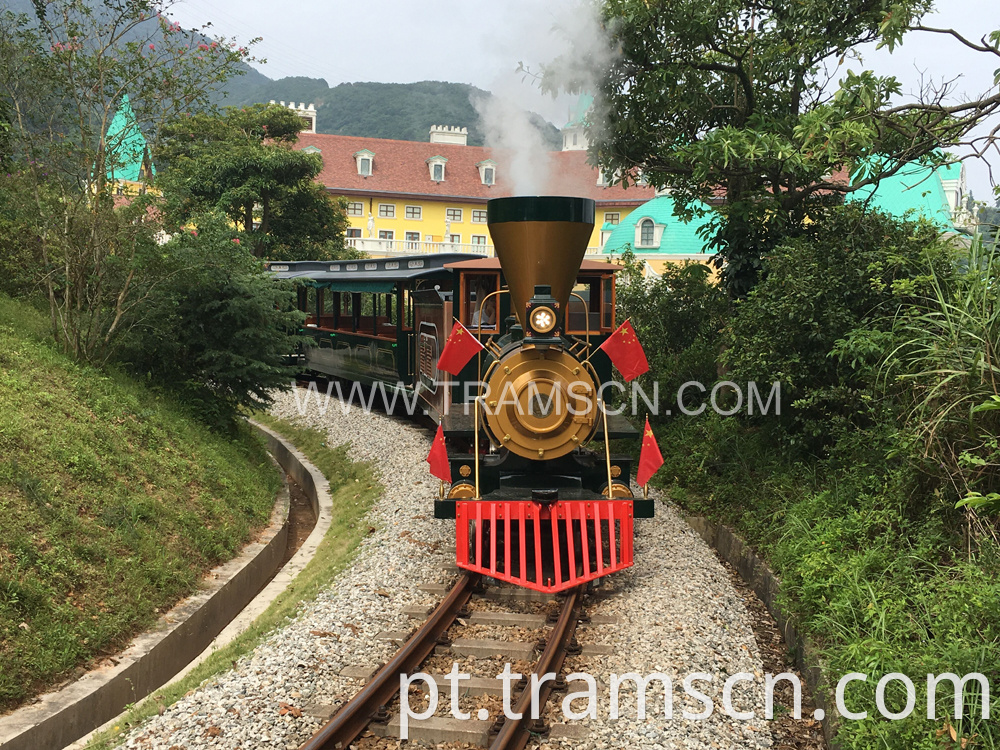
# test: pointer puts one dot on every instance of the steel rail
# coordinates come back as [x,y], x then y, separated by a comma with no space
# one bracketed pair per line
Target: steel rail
[514,733]
[354,716]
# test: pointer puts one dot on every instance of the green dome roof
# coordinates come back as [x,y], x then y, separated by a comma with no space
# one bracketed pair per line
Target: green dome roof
[678,237]
[915,190]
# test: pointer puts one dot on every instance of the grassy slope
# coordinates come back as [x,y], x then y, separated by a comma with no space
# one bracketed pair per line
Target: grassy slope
[113,504]
[353,489]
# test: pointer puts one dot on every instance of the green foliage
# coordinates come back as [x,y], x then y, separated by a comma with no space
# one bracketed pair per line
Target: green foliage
[242,163]
[216,328]
[822,317]
[947,372]
[65,73]
[114,505]
[678,317]
[883,336]
[735,96]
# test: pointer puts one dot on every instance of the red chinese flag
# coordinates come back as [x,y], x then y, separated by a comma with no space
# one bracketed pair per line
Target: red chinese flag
[650,459]
[625,352]
[460,347]
[438,457]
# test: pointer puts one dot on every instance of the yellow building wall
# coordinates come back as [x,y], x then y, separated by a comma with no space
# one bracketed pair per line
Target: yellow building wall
[432,222]
[431,225]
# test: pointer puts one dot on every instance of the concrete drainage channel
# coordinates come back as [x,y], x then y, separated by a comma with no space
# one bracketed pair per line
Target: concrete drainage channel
[188,633]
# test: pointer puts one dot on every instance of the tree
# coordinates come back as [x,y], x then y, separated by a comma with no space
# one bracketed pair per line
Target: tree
[218,326]
[242,163]
[63,78]
[736,97]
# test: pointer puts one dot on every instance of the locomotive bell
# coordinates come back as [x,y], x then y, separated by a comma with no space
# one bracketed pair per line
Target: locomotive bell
[540,242]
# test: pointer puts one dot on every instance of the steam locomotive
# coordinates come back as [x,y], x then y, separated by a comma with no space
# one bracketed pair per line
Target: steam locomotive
[537,496]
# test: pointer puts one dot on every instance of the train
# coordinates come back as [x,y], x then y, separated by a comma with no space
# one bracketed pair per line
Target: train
[538,497]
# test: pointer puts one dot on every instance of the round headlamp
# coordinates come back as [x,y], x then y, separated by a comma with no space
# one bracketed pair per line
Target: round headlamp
[543,319]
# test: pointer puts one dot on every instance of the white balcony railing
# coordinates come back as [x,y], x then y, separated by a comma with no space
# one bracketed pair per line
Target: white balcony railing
[385,248]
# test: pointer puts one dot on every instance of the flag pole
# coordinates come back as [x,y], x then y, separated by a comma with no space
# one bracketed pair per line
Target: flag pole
[475,427]
[607,447]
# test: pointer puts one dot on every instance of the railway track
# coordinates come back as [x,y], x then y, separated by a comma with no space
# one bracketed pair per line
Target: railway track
[369,704]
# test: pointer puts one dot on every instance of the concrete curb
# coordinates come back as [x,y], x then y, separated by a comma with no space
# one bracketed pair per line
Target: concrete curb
[767,587]
[188,633]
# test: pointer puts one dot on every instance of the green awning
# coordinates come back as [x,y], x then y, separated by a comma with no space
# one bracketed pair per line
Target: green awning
[346,285]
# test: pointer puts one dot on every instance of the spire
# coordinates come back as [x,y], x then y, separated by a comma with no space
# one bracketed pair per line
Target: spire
[127,153]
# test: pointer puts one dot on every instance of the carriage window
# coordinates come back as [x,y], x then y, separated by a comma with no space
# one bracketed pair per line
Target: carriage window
[478,310]
[312,306]
[407,323]
[609,302]
[584,309]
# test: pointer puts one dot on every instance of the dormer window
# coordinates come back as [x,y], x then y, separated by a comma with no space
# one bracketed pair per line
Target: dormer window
[436,165]
[311,150]
[365,160]
[487,171]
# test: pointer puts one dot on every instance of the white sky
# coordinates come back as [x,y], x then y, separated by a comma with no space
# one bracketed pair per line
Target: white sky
[481,42]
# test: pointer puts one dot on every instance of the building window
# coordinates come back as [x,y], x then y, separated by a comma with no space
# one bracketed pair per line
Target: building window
[412,240]
[478,216]
[387,210]
[612,218]
[487,171]
[436,165]
[353,233]
[355,209]
[453,214]
[414,212]
[365,160]
[574,139]
[455,239]
[646,233]
[386,234]
[479,239]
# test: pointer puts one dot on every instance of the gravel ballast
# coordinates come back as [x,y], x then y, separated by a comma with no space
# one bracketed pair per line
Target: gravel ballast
[676,612]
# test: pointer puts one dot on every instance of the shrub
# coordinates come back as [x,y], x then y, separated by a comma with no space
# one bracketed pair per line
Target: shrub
[678,317]
[945,371]
[850,272]
[217,327]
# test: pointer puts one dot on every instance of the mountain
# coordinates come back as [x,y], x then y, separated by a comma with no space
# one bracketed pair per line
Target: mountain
[403,111]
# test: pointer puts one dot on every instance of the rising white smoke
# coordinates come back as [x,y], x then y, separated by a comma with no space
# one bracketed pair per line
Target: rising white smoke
[571,46]
[507,129]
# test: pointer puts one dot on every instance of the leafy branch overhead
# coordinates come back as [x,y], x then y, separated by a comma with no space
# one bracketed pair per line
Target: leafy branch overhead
[242,163]
[758,101]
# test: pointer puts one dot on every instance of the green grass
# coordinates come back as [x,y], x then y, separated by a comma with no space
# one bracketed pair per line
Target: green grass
[113,501]
[353,489]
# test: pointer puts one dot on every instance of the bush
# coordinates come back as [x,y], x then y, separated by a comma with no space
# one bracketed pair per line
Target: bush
[217,327]
[678,317]
[850,272]
[945,372]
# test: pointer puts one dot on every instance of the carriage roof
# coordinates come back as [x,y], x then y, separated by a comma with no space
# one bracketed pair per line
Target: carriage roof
[365,274]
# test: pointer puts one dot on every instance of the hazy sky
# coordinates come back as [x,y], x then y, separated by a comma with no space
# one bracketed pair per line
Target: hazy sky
[481,42]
